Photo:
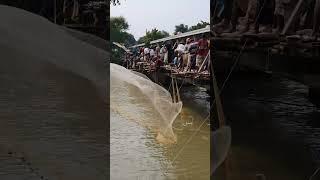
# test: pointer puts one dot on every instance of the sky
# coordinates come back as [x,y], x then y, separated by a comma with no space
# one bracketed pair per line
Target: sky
[145,15]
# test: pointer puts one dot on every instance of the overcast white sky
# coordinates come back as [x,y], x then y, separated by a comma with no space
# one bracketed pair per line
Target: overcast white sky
[161,14]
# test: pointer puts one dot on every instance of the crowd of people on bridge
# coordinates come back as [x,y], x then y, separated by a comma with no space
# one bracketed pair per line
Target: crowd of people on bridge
[234,17]
[86,12]
[184,55]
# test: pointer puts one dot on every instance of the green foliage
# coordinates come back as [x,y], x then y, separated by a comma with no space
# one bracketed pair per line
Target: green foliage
[118,31]
[184,28]
[181,28]
[200,25]
[119,34]
[119,23]
[152,35]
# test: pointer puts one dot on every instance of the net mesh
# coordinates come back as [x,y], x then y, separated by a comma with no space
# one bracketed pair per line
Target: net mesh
[137,98]
[220,145]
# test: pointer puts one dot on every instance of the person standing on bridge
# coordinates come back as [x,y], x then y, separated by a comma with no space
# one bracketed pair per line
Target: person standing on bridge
[162,54]
[316,19]
[203,49]
[186,50]
[146,53]
[180,51]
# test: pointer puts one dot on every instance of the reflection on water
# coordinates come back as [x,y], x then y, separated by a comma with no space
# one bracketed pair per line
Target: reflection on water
[135,153]
[273,126]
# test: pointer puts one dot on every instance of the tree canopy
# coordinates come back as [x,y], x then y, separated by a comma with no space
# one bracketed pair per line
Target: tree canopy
[118,31]
[200,25]
[182,28]
[152,35]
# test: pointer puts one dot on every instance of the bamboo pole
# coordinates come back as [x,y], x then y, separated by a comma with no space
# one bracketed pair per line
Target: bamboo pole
[173,90]
[55,11]
[292,17]
[178,93]
[218,100]
[203,63]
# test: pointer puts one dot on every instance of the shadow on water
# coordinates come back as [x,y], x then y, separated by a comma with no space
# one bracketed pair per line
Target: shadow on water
[274,126]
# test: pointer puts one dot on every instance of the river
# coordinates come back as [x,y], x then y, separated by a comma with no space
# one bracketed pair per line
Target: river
[275,128]
[136,154]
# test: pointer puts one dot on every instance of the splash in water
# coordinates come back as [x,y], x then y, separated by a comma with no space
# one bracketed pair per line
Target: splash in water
[137,98]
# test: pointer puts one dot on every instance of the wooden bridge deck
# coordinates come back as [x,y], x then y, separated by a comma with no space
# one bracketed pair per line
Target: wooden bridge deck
[201,79]
[295,45]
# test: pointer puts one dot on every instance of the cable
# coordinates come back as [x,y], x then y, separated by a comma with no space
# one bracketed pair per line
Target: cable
[314,174]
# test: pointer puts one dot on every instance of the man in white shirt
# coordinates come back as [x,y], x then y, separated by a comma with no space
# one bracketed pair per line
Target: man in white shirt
[152,53]
[146,53]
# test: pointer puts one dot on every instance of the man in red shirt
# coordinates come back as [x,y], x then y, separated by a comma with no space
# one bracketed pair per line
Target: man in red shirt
[203,49]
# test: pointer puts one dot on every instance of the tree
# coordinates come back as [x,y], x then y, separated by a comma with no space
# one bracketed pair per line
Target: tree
[118,31]
[152,35]
[119,23]
[200,25]
[181,28]
[119,34]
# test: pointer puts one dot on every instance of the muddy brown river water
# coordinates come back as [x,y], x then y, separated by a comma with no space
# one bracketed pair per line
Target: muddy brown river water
[135,153]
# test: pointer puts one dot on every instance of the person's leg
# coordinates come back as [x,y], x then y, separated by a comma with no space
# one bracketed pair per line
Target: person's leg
[228,5]
[266,15]
[189,63]
[279,13]
[252,11]
[234,18]
[249,20]
[316,19]
[199,61]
